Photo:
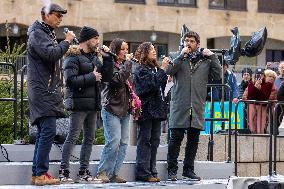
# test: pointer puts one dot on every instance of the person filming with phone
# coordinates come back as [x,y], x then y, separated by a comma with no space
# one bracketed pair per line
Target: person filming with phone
[261,88]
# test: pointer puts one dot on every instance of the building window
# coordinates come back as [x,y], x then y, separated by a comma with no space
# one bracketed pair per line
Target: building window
[274,55]
[130,1]
[274,6]
[240,5]
[191,3]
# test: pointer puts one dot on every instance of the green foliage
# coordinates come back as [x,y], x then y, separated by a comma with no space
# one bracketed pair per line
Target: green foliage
[10,53]
[6,116]
[100,139]
[6,91]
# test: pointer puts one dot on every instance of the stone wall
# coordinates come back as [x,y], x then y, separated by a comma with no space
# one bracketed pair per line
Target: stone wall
[253,153]
[108,16]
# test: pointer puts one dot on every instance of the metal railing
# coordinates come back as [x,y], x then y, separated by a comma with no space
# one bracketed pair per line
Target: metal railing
[269,105]
[22,70]
[275,133]
[223,119]
[18,62]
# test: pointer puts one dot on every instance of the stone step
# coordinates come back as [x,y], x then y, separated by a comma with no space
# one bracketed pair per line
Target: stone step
[23,153]
[19,173]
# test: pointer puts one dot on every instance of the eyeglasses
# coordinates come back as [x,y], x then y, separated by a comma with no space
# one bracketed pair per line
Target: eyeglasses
[189,41]
[58,15]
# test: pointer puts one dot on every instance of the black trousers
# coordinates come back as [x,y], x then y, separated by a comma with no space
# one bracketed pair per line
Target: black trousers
[176,137]
[149,132]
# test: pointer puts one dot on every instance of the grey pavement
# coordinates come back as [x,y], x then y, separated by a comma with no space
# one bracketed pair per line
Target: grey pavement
[181,184]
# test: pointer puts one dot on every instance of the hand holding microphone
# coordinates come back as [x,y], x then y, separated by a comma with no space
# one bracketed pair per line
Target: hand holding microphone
[70,36]
[185,51]
[129,57]
[165,63]
[105,49]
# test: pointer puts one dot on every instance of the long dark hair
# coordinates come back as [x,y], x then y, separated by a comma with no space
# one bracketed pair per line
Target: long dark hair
[142,52]
[115,45]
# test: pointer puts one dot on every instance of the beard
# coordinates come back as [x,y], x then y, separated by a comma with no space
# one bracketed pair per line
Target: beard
[91,47]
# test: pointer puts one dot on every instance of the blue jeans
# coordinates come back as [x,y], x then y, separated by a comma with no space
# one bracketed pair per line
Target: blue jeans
[149,132]
[46,132]
[116,132]
[79,119]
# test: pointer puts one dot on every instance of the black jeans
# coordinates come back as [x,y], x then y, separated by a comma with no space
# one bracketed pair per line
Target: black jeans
[176,137]
[149,132]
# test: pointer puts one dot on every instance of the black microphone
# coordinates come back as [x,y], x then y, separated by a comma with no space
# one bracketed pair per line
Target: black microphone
[75,40]
[109,52]
[170,62]
[134,60]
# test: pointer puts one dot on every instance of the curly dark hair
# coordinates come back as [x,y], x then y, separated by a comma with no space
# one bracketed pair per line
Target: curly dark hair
[141,54]
[192,34]
[115,45]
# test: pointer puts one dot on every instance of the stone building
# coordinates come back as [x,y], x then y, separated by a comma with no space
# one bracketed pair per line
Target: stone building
[159,21]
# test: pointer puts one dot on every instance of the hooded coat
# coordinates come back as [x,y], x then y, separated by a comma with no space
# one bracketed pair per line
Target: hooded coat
[190,89]
[44,83]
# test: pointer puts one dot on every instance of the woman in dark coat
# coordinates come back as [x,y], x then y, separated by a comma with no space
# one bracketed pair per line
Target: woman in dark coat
[149,80]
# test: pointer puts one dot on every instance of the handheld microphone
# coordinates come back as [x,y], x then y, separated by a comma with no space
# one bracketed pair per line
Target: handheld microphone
[109,52]
[75,40]
[134,60]
[170,62]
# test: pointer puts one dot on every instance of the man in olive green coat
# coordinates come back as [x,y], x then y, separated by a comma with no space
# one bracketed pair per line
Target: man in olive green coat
[190,71]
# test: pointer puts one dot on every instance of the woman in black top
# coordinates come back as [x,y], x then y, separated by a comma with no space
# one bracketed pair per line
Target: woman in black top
[149,80]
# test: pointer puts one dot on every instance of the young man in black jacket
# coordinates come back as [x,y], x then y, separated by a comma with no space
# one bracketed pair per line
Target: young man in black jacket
[44,86]
[83,73]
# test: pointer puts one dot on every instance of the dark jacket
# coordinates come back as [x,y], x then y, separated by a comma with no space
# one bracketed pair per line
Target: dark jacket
[150,84]
[242,87]
[82,90]
[190,89]
[229,79]
[280,93]
[44,83]
[115,93]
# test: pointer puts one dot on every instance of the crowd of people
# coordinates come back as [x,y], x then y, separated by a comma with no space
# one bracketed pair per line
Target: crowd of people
[103,80]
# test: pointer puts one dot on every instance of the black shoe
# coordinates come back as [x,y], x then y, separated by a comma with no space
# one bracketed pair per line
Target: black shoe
[172,176]
[150,179]
[85,177]
[189,174]
[64,177]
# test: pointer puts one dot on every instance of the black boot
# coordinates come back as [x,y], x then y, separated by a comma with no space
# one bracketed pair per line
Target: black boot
[191,175]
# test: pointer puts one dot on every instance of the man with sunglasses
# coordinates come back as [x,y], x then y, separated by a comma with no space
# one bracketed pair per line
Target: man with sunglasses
[44,86]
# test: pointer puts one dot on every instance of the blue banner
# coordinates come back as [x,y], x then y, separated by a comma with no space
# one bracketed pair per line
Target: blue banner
[217,125]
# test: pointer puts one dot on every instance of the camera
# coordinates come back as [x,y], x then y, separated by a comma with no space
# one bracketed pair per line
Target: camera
[257,76]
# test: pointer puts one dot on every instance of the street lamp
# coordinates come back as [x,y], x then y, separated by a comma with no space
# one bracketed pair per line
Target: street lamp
[15,29]
[153,37]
